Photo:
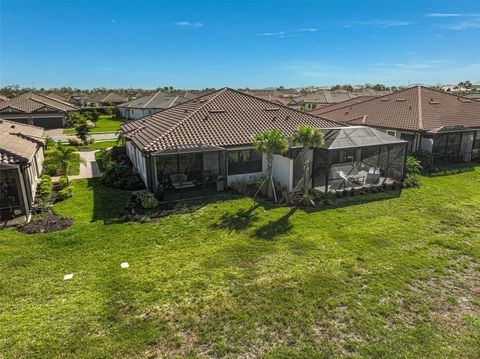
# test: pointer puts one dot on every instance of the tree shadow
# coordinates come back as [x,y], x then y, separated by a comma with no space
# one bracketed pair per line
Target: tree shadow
[108,202]
[238,221]
[276,228]
[450,169]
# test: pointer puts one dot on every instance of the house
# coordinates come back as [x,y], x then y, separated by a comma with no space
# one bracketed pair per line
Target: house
[200,147]
[106,99]
[323,98]
[269,97]
[334,106]
[446,125]
[36,109]
[476,85]
[148,105]
[21,160]
[3,98]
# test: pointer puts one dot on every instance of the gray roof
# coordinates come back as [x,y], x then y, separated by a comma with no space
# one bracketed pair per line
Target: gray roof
[357,136]
[157,100]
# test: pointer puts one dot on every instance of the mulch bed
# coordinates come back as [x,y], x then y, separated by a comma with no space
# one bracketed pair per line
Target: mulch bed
[49,222]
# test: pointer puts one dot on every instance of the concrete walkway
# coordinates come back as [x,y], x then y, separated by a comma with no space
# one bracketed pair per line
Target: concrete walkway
[89,170]
[95,136]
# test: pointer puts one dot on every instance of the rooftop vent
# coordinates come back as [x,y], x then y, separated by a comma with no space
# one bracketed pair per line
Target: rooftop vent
[272,109]
[401,99]
[432,102]
[465,101]
[385,99]
[203,100]
[216,111]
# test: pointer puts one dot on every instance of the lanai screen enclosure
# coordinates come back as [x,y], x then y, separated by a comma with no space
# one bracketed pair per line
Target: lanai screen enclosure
[356,157]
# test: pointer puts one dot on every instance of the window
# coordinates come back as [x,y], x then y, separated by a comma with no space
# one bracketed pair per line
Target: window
[244,161]
[392,133]
[476,140]
[411,141]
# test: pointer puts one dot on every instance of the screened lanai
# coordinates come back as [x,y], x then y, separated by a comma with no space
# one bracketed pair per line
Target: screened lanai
[190,171]
[356,157]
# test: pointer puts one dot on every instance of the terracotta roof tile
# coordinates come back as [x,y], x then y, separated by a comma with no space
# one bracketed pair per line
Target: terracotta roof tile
[19,142]
[31,101]
[222,118]
[417,108]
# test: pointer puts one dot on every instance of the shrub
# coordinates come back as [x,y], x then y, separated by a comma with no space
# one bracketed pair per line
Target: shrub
[424,157]
[82,130]
[146,199]
[74,141]
[118,171]
[65,193]
[45,192]
[74,119]
[63,182]
[413,168]
[240,186]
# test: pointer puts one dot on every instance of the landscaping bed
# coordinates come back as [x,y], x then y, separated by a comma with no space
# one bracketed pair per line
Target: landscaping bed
[46,223]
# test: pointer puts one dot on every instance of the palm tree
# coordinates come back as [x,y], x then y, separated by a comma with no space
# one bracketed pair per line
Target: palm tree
[269,143]
[64,157]
[310,138]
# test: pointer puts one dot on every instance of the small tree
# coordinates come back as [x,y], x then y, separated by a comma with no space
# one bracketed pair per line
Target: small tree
[83,130]
[269,143]
[64,157]
[310,138]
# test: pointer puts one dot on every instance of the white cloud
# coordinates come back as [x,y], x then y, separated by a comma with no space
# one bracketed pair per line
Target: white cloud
[284,34]
[464,25]
[195,25]
[378,23]
[439,14]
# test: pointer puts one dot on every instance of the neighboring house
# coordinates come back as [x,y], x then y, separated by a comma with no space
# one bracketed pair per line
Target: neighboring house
[21,160]
[202,146]
[446,125]
[36,109]
[476,85]
[106,99]
[269,97]
[342,104]
[324,98]
[148,105]
[473,96]
[58,97]
[3,98]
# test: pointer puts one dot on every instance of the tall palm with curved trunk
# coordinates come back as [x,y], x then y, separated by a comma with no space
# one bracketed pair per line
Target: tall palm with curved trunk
[269,143]
[310,138]
[64,157]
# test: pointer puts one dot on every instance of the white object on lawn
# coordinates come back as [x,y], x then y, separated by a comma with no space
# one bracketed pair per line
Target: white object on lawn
[124,265]
[67,276]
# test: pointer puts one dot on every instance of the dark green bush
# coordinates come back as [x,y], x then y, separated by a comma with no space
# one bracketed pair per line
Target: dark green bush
[65,193]
[63,182]
[118,171]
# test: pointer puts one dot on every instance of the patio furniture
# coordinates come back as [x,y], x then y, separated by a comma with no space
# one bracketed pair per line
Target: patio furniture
[373,176]
[180,180]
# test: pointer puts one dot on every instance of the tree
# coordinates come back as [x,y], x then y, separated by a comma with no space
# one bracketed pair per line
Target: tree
[310,138]
[64,157]
[269,143]
[83,129]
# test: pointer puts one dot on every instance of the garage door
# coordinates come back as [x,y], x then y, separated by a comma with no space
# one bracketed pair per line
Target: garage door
[48,122]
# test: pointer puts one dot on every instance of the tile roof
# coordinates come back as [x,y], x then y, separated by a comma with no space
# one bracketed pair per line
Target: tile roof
[341,104]
[3,98]
[417,108]
[19,142]
[108,97]
[31,102]
[157,100]
[222,118]
[330,97]
[269,97]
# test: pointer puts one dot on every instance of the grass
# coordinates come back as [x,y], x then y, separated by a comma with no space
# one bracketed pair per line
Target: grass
[97,145]
[99,156]
[386,276]
[105,124]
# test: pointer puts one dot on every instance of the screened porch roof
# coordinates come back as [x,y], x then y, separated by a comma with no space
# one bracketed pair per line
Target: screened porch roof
[188,148]
[357,136]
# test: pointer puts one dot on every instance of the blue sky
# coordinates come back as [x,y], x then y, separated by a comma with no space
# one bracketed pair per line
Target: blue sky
[237,44]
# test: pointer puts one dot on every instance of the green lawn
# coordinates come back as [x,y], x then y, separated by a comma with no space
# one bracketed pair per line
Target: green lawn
[97,145]
[387,276]
[104,124]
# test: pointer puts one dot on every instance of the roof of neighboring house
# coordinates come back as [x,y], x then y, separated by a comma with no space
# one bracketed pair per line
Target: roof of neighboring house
[108,97]
[342,104]
[269,97]
[417,108]
[157,100]
[330,97]
[19,142]
[224,118]
[3,98]
[33,102]
[58,97]
[357,136]
[474,96]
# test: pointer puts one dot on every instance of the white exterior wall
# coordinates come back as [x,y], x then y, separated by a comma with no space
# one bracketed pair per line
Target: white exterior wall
[136,113]
[283,171]
[138,161]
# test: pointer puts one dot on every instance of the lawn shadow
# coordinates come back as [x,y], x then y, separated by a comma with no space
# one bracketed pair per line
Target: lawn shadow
[451,169]
[275,228]
[238,221]
[108,202]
